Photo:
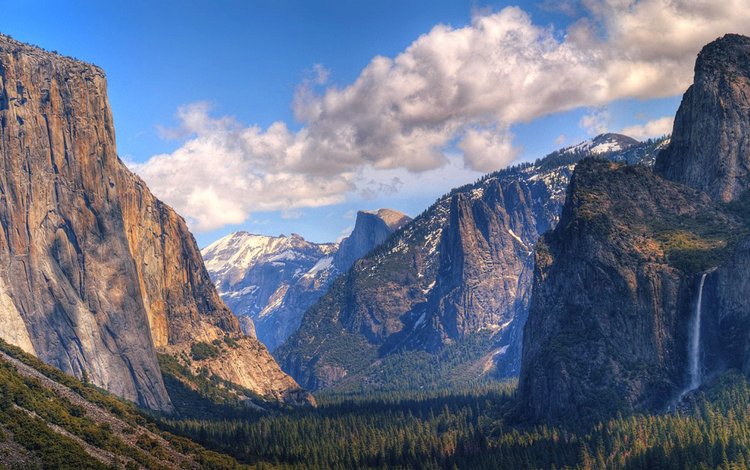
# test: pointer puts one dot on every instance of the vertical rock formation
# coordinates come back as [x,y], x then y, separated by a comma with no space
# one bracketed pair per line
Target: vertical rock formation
[617,282]
[95,273]
[710,148]
[613,294]
[370,230]
[68,277]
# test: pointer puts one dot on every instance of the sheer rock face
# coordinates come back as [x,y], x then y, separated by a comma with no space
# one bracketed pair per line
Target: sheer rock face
[710,148]
[608,320]
[95,272]
[180,299]
[370,230]
[67,274]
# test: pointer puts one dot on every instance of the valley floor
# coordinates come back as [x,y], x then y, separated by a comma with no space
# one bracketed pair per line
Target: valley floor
[51,420]
[480,429]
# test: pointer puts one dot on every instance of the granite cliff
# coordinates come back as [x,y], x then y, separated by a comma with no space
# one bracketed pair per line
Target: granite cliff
[621,319]
[711,130]
[95,272]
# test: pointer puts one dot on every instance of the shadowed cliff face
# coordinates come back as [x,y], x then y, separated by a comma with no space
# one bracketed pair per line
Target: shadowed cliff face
[710,148]
[95,272]
[617,282]
[370,230]
[614,289]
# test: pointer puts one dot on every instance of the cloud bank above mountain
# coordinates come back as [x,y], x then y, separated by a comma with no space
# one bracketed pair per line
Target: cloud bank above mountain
[453,88]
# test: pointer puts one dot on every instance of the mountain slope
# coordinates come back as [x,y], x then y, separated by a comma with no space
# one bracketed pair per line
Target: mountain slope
[613,288]
[95,272]
[640,293]
[269,282]
[444,299]
[50,420]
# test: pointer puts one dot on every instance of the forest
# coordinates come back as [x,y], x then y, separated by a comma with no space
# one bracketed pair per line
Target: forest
[481,428]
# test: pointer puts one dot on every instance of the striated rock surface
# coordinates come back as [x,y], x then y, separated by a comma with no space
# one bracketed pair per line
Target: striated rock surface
[68,276]
[618,281]
[269,282]
[710,148]
[444,300]
[95,272]
[614,287]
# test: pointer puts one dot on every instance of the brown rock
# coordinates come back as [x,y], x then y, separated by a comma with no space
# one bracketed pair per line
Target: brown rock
[94,270]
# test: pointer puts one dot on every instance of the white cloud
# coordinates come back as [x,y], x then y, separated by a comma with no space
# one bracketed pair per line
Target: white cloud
[487,149]
[561,139]
[596,122]
[467,85]
[655,128]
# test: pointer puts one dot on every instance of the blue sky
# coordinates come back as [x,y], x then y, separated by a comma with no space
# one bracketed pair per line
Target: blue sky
[199,83]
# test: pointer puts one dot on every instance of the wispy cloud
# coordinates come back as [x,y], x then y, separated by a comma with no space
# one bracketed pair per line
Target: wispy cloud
[655,128]
[452,87]
[596,122]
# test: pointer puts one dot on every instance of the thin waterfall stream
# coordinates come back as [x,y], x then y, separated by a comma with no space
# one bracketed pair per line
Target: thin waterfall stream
[695,342]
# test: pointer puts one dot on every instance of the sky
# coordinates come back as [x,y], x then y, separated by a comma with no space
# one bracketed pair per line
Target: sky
[289,116]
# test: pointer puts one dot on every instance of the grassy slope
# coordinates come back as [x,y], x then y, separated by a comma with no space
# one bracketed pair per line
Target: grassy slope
[51,420]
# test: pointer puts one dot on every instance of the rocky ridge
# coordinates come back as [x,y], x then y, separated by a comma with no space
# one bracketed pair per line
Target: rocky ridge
[618,283]
[444,299]
[711,130]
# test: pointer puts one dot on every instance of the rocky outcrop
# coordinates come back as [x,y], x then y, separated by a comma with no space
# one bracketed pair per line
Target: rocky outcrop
[617,284]
[95,272]
[710,148]
[180,299]
[370,230]
[614,287]
[69,279]
[269,282]
[452,287]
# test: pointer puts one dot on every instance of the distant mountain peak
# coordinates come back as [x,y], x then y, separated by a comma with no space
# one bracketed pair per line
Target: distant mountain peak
[604,143]
[392,218]
[269,281]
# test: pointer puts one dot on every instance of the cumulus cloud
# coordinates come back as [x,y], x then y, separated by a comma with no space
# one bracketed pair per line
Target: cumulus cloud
[452,86]
[487,149]
[655,128]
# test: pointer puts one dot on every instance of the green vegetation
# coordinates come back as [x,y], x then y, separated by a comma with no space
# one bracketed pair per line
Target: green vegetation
[32,415]
[201,350]
[479,428]
[699,242]
[455,366]
[617,202]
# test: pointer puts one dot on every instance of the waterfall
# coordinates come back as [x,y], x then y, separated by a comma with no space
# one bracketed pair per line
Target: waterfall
[695,342]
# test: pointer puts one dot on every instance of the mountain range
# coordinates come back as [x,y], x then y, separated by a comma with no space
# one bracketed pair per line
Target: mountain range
[445,298]
[269,282]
